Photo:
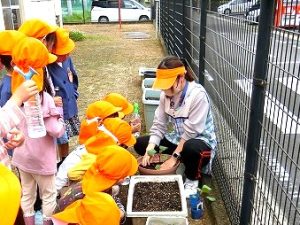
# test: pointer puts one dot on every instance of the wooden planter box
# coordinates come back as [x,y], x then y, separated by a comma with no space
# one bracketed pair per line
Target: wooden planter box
[156,179]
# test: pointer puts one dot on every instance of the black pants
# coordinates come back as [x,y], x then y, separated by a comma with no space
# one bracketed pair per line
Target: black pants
[190,155]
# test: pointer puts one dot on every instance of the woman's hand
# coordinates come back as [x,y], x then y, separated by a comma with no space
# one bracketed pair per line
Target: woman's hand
[146,160]
[168,164]
[15,139]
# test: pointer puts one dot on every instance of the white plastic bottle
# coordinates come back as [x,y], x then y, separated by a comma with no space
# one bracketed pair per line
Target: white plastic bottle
[34,117]
[33,109]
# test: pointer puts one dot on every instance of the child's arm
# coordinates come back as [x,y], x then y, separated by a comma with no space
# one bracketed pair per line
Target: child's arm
[10,113]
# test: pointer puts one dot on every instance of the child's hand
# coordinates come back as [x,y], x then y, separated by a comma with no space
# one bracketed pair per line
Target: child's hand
[15,139]
[58,101]
[25,91]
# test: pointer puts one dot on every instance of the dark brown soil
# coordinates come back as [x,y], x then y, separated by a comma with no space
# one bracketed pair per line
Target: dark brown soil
[152,166]
[154,196]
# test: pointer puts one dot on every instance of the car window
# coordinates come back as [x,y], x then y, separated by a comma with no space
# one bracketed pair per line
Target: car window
[113,4]
[130,5]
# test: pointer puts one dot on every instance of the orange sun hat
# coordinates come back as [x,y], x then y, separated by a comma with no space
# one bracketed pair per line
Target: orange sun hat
[120,101]
[10,196]
[30,52]
[64,45]
[94,209]
[113,131]
[112,164]
[101,109]
[10,38]
[36,28]
[96,110]
[165,78]
[121,130]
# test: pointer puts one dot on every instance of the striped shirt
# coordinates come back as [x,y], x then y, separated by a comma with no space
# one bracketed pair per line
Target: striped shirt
[10,115]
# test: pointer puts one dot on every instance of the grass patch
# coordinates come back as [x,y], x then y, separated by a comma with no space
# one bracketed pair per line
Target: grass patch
[98,37]
[77,36]
[77,17]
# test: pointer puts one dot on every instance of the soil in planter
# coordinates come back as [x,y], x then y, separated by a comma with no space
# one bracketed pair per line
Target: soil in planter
[154,196]
[151,166]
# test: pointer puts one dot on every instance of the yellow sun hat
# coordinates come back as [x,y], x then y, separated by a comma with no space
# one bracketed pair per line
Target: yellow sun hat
[10,196]
[10,38]
[94,209]
[119,101]
[36,28]
[112,164]
[64,45]
[165,78]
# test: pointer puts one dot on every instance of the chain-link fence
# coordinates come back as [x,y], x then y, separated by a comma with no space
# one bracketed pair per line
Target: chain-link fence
[246,54]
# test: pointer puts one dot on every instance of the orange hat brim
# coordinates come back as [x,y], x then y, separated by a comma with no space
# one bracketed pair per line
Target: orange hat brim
[128,110]
[163,83]
[69,214]
[96,182]
[66,49]
[131,141]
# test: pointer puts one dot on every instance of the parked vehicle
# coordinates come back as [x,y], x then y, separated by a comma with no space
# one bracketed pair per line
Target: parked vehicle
[108,11]
[287,13]
[253,12]
[235,6]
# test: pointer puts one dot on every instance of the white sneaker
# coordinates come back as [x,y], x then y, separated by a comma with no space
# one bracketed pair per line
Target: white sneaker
[190,187]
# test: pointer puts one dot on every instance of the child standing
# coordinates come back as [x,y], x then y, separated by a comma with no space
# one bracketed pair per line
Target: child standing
[36,158]
[64,77]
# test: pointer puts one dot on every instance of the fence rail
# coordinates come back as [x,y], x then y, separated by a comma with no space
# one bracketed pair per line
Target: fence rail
[251,71]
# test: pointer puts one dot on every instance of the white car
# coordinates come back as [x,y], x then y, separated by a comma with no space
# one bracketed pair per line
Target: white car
[235,6]
[107,11]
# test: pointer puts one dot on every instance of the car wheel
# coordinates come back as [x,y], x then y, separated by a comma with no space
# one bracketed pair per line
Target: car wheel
[144,18]
[227,11]
[103,19]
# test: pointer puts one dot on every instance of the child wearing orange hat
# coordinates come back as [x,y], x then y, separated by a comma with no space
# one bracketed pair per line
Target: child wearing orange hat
[127,108]
[94,209]
[65,80]
[36,158]
[99,110]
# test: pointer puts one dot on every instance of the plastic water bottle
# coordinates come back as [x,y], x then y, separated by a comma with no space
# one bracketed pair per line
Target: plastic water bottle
[136,118]
[34,117]
[33,110]
[60,109]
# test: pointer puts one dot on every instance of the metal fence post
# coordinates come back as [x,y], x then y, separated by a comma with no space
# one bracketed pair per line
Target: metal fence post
[256,108]
[202,38]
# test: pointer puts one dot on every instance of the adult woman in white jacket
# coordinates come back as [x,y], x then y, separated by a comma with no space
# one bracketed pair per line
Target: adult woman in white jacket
[183,122]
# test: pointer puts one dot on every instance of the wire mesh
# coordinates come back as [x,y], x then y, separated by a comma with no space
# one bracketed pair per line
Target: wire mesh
[230,52]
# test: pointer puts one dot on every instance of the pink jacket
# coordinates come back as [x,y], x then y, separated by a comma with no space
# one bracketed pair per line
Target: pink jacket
[38,155]
[10,117]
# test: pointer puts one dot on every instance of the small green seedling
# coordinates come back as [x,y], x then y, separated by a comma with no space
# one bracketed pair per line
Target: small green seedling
[162,158]
[204,192]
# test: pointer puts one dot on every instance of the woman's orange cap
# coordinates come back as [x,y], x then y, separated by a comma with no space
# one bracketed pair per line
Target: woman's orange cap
[36,28]
[64,45]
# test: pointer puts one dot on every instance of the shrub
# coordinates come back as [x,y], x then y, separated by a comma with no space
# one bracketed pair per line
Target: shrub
[77,36]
